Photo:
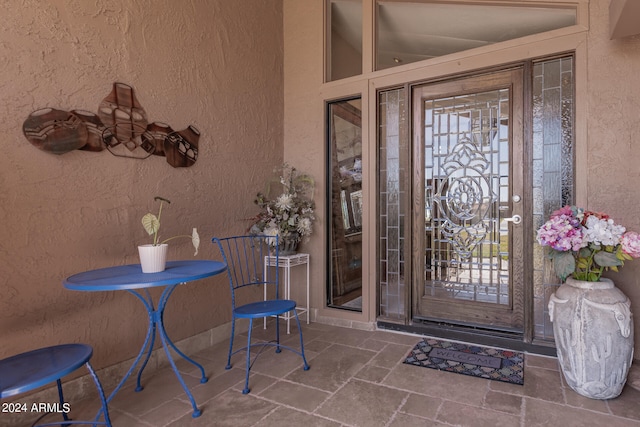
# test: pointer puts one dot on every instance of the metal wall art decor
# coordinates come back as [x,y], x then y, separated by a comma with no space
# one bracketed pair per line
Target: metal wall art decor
[120,126]
[55,131]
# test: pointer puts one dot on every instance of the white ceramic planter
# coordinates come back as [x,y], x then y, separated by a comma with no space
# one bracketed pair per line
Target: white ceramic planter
[153,259]
[593,329]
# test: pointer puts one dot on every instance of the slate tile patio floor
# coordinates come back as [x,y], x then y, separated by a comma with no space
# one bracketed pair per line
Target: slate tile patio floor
[357,378]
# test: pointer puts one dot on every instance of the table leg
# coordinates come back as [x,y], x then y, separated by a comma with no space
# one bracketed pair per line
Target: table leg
[105,409]
[151,333]
[166,342]
[161,305]
[156,324]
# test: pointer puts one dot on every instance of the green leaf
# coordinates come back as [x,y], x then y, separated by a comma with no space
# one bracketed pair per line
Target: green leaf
[582,263]
[580,276]
[606,259]
[150,223]
[593,277]
[195,239]
[564,264]
[584,252]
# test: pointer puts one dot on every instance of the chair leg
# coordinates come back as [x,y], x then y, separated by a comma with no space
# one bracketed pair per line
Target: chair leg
[60,395]
[304,359]
[246,380]
[233,331]
[278,350]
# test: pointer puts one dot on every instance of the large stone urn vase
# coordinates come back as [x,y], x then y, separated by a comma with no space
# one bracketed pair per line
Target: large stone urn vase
[593,329]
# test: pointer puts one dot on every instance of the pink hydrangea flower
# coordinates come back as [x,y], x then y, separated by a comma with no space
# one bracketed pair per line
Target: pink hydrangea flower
[565,210]
[562,233]
[592,239]
[630,243]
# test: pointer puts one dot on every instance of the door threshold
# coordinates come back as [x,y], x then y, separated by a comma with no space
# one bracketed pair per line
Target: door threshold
[498,339]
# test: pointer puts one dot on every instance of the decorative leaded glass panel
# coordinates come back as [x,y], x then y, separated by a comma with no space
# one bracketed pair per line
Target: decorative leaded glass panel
[553,160]
[466,173]
[393,158]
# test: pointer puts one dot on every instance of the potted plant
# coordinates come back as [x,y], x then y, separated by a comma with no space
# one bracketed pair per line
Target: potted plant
[290,214]
[592,321]
[153,256]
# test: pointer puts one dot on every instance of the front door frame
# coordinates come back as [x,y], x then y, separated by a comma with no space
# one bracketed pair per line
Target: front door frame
[519,341]
[442,308]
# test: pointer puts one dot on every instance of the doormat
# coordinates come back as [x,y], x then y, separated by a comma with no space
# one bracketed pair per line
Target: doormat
[483,362]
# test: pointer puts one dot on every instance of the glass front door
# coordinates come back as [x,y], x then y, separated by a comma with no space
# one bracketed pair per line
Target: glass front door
[468,192]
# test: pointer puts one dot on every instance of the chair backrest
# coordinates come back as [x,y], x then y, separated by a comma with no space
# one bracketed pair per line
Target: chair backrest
[245,257]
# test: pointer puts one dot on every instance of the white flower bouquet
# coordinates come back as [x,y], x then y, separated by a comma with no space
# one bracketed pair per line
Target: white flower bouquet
[290,215]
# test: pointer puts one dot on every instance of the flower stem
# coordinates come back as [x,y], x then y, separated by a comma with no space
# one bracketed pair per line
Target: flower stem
[175,237]
[155,236]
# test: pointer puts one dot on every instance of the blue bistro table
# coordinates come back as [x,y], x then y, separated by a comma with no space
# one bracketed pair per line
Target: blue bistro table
[130,278]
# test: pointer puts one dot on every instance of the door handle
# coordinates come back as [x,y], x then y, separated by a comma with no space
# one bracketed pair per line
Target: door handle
[516,219]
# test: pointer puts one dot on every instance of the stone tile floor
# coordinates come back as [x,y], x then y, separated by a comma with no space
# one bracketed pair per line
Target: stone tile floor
[357,378]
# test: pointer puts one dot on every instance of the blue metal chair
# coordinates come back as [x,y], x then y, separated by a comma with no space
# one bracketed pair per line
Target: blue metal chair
[245,259]
[28,371]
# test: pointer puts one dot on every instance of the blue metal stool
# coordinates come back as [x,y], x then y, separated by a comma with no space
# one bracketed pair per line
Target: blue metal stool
[33,369]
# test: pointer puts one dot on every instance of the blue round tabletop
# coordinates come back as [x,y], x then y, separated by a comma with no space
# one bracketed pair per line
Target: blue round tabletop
[130,276]
[27,371]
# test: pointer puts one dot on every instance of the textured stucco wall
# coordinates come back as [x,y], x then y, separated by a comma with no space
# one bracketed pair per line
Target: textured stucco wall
[613,146]
[216,64]
[304,129]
